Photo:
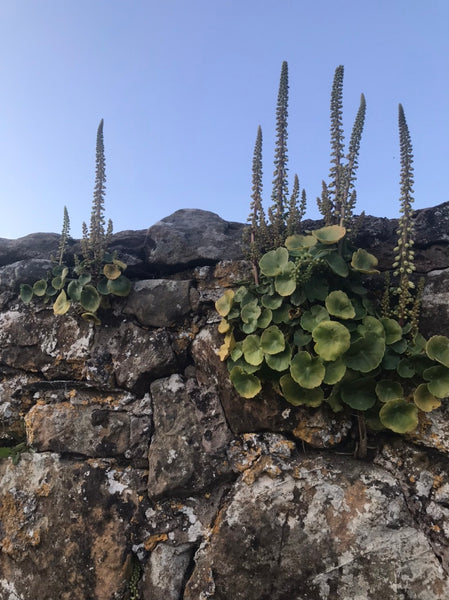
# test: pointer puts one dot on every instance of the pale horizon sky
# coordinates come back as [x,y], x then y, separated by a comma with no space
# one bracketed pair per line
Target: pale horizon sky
[182,87]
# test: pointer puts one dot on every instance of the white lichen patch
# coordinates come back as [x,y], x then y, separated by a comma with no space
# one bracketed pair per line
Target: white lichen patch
[9,591]
[117,483]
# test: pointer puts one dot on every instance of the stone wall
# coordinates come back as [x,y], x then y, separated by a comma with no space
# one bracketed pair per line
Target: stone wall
[147,477]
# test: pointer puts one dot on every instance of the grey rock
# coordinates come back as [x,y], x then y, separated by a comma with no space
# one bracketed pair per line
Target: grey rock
[35,245]
[165,571]
[130,356]
[159,302]
[320,530]
[434,318]
[188,448]
[23,271]
[67,518]
[192,237]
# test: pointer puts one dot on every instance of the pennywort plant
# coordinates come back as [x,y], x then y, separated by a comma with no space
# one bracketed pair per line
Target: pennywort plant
[310,327]
[97,275]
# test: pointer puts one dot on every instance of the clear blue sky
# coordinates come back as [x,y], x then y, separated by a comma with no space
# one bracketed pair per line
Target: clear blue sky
[182,86]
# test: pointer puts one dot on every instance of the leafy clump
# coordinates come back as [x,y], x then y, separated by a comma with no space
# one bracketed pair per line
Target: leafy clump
[309,325]
[320,338]
[94,278]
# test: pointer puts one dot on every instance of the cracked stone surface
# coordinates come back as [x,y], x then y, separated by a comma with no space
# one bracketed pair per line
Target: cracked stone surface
[137,460]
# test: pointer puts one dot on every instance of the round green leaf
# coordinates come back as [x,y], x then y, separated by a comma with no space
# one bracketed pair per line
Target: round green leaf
[331,339]
[26,292]
[61,305]
[252,351]
[74,290]
[112,271]
[297,395]
[438,381]
[335,371]
[50,291]
[273,262]
[281,360]
[285,282]
[390,360]
[296,244]
[337,264]
[365,354]
[91,318]
[241,362]
[393,331]
[359,394]
[437,348]
[237,351]
[387,390]
[224,304]
[265,318]
[250,311]
[329,235]
[250,327]
[90,299]
[312,317]
[301,338]
[405,368]
[364,262]
[247,385]
[371,325]
[272,340]
[339,305]
[424,399]
[40,287]
[120,264]
[307,371]
[120,286]
[282,314]
[271,301]
[58,282]
[399,416]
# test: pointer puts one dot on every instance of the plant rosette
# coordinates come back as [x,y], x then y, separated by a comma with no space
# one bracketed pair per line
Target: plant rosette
[78,287]
[312,330]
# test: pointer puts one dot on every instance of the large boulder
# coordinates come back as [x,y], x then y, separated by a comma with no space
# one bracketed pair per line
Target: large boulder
[191,237]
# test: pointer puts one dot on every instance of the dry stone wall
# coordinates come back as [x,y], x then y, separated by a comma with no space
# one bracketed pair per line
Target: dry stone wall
[146,476]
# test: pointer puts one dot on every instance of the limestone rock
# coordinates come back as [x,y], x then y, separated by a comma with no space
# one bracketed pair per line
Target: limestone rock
[130,357]
[160,302]
[435,303]
[35,340]
[65,528]
[35,245]
[188,447]
[327,530]
[88,422]
[23,271]
[192,237]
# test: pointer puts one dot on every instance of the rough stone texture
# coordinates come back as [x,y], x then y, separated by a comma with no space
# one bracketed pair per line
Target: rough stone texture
[435,301]
[319,529]
[190,237]
[66,528]
[139,460]
[188,448]
[160,302]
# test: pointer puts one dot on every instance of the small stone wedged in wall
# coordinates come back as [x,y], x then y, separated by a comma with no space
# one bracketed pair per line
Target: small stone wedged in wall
[188,448]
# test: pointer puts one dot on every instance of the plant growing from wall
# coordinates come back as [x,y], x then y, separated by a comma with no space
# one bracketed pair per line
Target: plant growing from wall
[98,275]
[309,327]
[338,198]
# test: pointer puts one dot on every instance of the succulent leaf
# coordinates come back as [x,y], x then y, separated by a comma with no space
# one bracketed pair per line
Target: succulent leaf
[438,381]
[252,351]
[365,354]
[387,390]
[90,299]
[424,400]
[330,234]
[61,305]
[335,371]
[247,385]
[272,340]
[437,348]
[331,339]
[26,292]
[359,394]
[364,262]
[339,305]
[393,331]
[119,287]
[306,370]
[281,360]
[297,395]
[273,262]
[224,304]
[40,287]
[399,416]
[337,264]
